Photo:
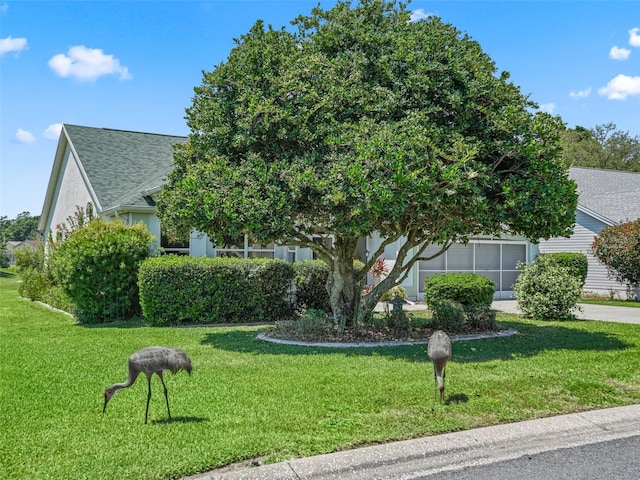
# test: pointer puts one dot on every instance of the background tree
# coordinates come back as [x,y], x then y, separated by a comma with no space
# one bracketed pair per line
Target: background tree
[603,146]
[23,227]
[618,248]
[362,121]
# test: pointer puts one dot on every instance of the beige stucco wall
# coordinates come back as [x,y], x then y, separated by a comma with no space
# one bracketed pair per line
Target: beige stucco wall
[71,191]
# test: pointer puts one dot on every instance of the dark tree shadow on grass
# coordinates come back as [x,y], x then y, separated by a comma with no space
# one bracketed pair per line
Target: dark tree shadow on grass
[533,339]
[530,340]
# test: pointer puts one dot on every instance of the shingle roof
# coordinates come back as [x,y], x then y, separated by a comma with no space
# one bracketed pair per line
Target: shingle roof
[120,164]
[612,194]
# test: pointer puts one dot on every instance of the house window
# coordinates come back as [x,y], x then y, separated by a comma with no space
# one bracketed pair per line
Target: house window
[245,248]
[326,241]
[491,259]
[174,245]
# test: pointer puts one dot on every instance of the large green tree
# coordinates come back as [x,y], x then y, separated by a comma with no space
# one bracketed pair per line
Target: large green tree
[603,146]
[23,227]
[361,121]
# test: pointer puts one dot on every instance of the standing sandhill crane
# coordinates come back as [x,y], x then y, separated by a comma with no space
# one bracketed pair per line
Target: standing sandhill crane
[151,360]
[439,351]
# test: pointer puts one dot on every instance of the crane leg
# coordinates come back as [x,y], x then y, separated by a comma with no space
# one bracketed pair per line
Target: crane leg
[146,413]
[435,378]
[166,395]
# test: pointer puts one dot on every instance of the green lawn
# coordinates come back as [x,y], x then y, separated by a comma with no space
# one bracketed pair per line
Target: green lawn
[611,303]
[249,399]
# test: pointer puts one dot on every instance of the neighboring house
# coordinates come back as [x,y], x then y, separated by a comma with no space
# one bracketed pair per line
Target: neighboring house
[607,197]
[121,172]
[12,246]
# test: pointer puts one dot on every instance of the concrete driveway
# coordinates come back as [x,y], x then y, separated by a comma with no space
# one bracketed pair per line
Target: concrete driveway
[589,312]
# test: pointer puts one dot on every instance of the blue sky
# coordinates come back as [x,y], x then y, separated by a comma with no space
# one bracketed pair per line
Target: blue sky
[133,65]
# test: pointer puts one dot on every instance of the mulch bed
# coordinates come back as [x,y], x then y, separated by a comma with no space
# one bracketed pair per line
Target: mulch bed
[365,333]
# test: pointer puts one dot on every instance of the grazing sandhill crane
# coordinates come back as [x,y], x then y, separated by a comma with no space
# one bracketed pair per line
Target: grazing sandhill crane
[151,360]
[439,351]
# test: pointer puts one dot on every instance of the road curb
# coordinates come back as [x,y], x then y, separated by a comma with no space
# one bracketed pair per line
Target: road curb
[417,458]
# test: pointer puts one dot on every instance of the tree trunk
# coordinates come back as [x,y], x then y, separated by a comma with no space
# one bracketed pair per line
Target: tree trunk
[343,287]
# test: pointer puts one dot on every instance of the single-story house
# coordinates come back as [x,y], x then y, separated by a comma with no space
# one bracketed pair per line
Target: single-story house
[121,172]
[12,246]
[606,198]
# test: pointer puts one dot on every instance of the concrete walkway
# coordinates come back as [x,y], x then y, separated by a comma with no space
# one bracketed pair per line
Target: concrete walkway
[413,459]
[589,312]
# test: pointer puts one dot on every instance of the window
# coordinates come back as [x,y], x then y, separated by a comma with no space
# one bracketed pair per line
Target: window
[174,245]
[326,241]
[491,259]
[245,248]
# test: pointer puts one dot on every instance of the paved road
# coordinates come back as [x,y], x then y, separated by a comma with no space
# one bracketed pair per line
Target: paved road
[508,445]
[616,459]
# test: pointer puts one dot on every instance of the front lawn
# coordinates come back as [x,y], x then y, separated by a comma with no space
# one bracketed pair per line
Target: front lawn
[249,399]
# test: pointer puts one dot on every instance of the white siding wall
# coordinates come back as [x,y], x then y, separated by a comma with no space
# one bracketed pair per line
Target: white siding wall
[585,230]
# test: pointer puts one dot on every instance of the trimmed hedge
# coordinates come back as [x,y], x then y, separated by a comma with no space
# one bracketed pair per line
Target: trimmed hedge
[576,263]
[178,290]
[468,289]
[311,285]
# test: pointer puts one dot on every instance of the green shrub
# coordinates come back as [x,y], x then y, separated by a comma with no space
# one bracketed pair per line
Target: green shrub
[311,285]
[399,320]
[27,258]
[448,315]
[397,291]
[34,284]
[618,248]
[464,288]
[547,292]
[576,263]
[178,290]
[480,317]
[314,324]
[58,298]
[275,279]
[97,266]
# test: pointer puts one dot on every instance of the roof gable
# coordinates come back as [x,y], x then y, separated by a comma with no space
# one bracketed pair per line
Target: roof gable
[612,194]
[121,165]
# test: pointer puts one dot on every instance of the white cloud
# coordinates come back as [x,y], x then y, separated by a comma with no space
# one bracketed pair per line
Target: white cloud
[634,37]
[23,136]
[10,44]
[618,53]
[547,107]
[580,93]
[620,87]
[419,14]
[87,64]
[53,131]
